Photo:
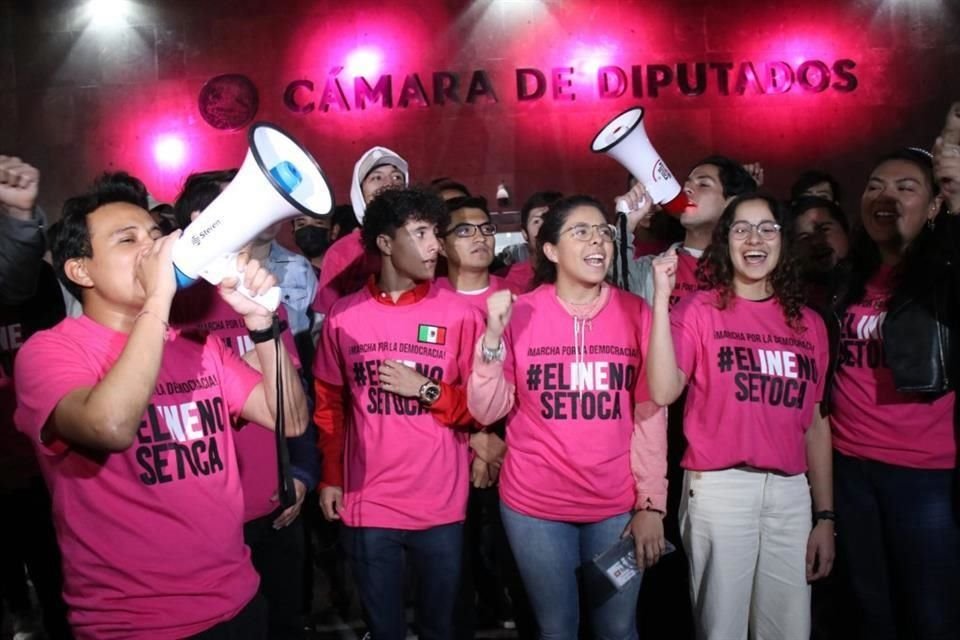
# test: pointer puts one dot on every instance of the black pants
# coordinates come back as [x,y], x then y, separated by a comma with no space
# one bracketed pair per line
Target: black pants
[664,609]
[249,624]
[490,582]
[27,539]
[278,556]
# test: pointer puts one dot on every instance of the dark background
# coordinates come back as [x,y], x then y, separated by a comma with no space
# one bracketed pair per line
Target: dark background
[78,97]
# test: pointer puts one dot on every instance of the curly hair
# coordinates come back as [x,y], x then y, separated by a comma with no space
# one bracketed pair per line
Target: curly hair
[715,270]
[392,208]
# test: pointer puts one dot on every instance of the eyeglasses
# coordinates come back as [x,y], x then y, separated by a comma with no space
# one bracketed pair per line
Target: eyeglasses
[468,230]
[584,232]
[742,230]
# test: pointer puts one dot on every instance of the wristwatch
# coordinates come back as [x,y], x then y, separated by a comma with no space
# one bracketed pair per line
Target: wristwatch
[489,355]
[429,393]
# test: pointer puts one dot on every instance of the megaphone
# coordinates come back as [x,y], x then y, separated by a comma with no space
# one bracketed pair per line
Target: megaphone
[626,141]
[278,179]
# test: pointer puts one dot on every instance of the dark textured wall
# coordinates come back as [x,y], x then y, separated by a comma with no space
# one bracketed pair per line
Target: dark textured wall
[77,99]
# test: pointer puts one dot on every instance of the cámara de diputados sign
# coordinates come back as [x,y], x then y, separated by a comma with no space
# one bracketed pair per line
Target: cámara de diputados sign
[528,84]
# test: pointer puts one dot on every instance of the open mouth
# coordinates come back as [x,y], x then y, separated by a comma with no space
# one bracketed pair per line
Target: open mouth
[481,249]
[754,258]
[885,215]
[596,260]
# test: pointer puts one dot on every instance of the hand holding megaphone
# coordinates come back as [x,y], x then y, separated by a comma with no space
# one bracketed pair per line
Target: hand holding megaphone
[278,179]
[625,139]
[637,206]
[230,271]
[250,289]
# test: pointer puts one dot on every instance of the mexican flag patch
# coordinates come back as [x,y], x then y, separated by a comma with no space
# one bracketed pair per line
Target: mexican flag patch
[431,334]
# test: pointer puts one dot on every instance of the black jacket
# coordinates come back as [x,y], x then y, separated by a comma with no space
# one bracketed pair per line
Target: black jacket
[920,330]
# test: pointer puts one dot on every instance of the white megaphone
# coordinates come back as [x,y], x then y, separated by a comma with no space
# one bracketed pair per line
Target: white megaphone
[625,139]
[278,179]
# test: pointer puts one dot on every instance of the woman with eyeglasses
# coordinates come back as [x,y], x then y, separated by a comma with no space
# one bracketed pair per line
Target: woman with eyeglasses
[755,359]
[586,457]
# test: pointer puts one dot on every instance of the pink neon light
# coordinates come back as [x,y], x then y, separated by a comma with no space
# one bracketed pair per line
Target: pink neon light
[169,151]
[365,62]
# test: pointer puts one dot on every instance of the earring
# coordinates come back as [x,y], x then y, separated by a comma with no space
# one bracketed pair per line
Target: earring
[930,224]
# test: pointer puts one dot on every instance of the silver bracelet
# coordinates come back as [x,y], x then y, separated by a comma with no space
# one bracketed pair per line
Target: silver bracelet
[489,355]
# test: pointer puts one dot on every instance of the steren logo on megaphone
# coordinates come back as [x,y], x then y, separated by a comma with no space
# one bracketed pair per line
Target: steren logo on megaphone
[660,172]
[278,179]
[198,237]
[624,139]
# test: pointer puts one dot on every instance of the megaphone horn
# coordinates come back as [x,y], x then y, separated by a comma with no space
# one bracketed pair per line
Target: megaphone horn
[278,179]
[626,141]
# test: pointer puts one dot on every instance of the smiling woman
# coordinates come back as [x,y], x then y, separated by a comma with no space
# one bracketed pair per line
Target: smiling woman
[894,407]
[755,358]
[750,258]
[587,455]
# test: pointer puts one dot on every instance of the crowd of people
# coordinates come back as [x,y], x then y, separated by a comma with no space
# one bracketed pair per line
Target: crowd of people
[765,383]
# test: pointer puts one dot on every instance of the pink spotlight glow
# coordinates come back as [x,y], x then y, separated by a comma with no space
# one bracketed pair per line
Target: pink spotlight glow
[169,151]
[364,62]
[588,58]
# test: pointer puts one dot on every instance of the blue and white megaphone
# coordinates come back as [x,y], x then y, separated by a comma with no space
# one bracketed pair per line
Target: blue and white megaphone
[278,179]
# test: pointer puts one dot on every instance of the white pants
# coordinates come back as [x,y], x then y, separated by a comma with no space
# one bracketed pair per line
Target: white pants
[745,532]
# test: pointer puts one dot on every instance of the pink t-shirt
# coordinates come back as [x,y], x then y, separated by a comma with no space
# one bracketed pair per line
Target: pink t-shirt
[152,537]
[870,418]
[687,283]
[519,276]
[346,268]
[402,468]
[479,298]
[569,432]
[200,308]
[753,382]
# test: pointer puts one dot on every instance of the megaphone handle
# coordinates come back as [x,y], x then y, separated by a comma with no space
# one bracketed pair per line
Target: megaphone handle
[226,267]
[270,300]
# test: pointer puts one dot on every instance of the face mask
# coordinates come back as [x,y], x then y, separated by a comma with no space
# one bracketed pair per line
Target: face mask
[313,241]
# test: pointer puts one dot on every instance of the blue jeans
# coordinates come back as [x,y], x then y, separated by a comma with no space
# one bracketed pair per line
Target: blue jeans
[378,558]
[548,554]
[898,536]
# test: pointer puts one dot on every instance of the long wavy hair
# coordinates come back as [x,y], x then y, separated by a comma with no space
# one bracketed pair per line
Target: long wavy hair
[715,270]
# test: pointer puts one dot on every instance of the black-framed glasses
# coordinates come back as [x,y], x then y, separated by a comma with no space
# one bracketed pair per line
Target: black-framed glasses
[584,232]
[767,230]
[468,230]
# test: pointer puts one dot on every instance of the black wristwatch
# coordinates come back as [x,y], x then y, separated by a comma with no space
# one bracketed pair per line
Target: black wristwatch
[429,393]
